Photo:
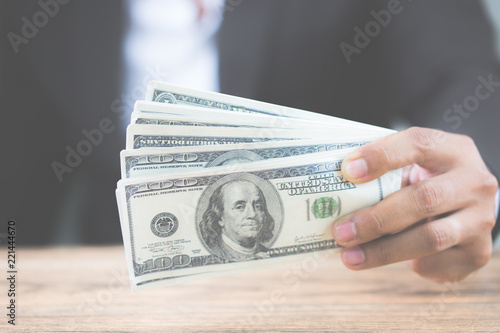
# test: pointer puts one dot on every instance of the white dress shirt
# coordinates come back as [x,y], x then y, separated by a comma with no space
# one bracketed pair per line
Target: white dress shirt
[173,41]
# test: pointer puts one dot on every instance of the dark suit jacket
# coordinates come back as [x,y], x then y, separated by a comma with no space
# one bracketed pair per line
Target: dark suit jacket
[68,77]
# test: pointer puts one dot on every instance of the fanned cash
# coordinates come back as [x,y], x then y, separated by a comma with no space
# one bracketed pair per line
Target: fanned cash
[213,184]
[228,218]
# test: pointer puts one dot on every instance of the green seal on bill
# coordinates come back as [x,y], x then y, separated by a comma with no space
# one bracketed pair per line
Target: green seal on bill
[324,207]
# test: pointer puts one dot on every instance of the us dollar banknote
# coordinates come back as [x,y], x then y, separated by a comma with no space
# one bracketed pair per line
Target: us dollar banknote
[237,217]
[175,114]
[213,118]
[148,111]
[166,93]
[178,120]
[153,136]
[148,162]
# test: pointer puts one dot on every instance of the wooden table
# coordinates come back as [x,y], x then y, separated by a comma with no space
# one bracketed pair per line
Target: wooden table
[86,289]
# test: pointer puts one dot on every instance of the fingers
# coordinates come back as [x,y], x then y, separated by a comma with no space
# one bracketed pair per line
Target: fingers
[454,264]
[400,210]
[442,217]
[419,241]
[432,149]
[467,228]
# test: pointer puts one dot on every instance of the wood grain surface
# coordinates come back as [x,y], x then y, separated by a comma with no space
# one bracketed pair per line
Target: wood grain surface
[86,289]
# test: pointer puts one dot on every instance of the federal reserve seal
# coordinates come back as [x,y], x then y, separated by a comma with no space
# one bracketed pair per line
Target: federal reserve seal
[164,224]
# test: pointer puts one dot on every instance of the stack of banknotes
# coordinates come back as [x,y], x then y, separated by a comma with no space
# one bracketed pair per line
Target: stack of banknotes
[214,183]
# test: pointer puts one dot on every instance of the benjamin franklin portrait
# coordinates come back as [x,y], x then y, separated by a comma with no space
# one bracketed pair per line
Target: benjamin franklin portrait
[237,222]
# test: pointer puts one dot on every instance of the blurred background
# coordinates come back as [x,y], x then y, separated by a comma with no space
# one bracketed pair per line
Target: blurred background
[67,66]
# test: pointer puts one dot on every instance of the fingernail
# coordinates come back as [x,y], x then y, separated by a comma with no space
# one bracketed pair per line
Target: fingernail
[357,168]
[353,256]
[345,232]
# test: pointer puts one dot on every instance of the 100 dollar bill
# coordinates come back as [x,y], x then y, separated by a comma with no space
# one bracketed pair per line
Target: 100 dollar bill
[175,114]
[146,112]
[237,217]
[166,93]
[158,136]
[154,136]
[148,162]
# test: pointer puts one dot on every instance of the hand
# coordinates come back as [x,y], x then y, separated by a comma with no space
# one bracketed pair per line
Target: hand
[442,217]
